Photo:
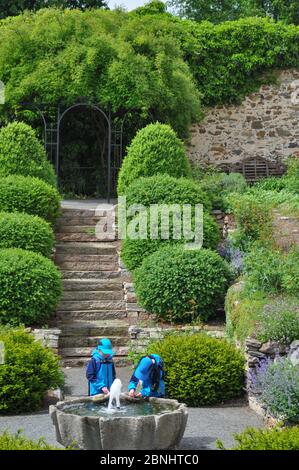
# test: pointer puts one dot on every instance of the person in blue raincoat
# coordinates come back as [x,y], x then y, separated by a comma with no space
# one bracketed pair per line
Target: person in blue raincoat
[100,371]
[149,373]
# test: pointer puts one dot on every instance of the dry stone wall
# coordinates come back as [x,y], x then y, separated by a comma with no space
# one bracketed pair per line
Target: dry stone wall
[265,125]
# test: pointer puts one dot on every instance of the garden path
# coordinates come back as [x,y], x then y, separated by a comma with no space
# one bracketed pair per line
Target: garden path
[204,427]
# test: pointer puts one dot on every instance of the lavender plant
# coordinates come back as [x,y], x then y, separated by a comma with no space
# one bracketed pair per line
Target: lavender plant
[278,385]
[234,256]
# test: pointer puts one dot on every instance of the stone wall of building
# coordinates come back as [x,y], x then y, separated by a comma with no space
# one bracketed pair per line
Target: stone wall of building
[265,125]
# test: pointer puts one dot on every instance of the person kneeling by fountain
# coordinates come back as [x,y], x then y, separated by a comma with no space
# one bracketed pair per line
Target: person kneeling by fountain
[149,373]
[100,371]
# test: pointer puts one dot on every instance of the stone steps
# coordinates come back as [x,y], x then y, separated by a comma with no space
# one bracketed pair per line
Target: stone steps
[79,237]
[69,274]
[72,220]
[79,258]
[81,361]
[99,328]
[99,285]
[92,306]
[90,295]
[78,305]
[92,248]
[67,342]
[90,314]
[86,352]
[86,266]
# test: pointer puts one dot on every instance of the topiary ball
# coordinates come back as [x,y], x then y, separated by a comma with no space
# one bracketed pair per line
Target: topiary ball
[21,153]
[200,370]
[165,189]
[155,149]
[28,372]
[182,285]
[30,287]
[30,195]
[26,231]
[133,252]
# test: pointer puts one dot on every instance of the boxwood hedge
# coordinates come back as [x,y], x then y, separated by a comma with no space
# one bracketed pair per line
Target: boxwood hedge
[30,287]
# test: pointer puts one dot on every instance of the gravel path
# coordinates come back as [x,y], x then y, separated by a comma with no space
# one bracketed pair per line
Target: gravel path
[205,425]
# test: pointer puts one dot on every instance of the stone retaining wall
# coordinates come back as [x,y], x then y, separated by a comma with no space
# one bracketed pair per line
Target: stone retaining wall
[265,125]
[48,337]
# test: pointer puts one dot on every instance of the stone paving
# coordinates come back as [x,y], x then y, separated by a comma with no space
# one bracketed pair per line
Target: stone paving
[204,427]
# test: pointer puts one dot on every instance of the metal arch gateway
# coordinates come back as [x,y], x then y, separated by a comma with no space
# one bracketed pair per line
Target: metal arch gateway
[115,125]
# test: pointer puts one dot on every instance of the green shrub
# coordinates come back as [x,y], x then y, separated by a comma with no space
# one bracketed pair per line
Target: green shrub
[29,370]
[253,219]
[181,285]
[271,270]
[25,231]
[30,287]
[273,183]
[210,184]
[242,311]
[279,320]
[274,318]
[290,274]
[233,183]
[155,149]
[266,439]
[291,178]
[21,153]
[263,267]
[164,189]
[30,195]
[200,370]
[19,442]
[133,252]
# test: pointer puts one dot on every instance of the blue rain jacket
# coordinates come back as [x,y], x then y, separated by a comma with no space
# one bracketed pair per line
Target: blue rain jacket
[100,372]
[146,390]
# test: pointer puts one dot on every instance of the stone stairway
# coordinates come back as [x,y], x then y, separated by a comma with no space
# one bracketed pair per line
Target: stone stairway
[92,305]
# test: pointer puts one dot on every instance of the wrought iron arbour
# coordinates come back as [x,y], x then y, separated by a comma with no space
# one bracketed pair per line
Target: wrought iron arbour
[52,119]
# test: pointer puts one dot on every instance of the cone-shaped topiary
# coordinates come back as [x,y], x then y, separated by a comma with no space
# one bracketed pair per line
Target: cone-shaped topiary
[21,153]
[154,150]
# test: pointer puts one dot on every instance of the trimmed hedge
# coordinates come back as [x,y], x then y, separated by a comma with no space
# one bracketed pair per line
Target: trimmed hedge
[133,252]
[30,195]
[155,149]
[26,231]
[182,285]
[277,438]
[29,370]
[200,370]
[30,287]
[165,189]
[21,153]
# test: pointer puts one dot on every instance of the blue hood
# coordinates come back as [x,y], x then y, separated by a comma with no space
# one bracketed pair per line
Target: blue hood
[96,353]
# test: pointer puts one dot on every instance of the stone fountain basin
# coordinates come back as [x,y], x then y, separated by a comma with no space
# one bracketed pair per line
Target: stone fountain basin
[113,432]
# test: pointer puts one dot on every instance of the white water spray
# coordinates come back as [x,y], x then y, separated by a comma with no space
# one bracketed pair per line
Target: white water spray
[115,392]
